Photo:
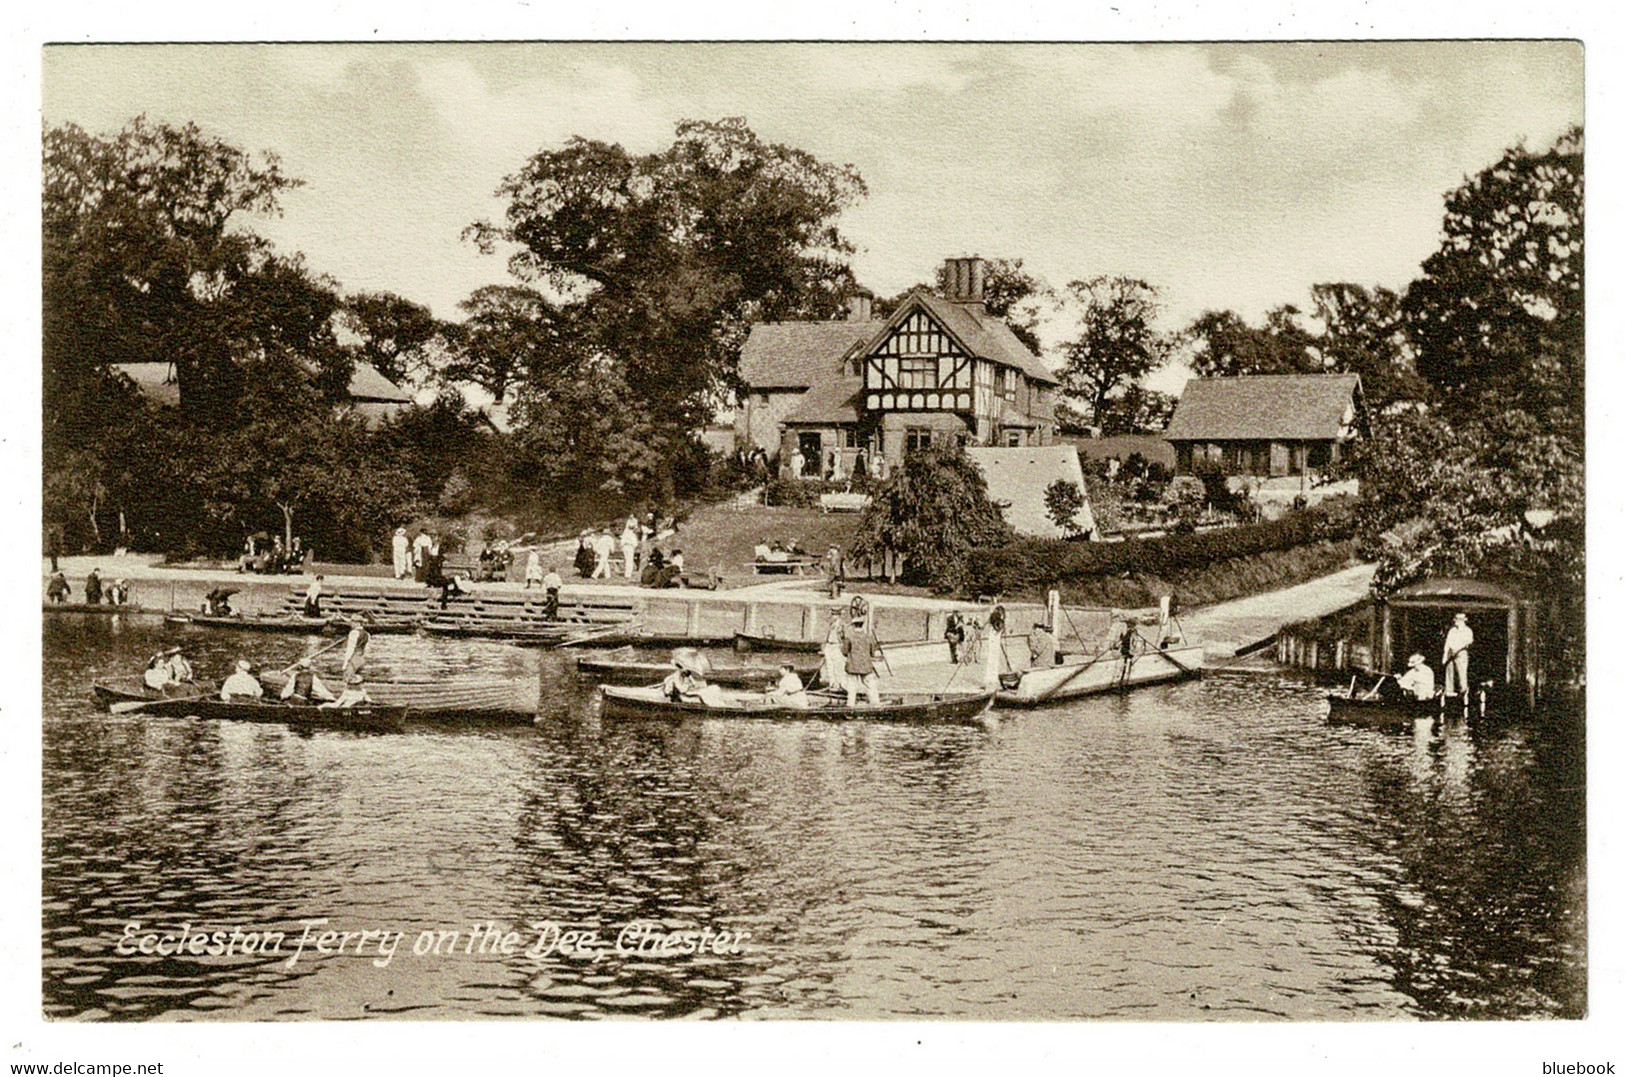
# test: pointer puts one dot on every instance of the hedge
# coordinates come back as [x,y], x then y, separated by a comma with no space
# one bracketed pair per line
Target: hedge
[1030,564]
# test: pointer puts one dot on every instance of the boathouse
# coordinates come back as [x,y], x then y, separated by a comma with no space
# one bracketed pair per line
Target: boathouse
[940,368]
[1505,656]
[1268,426]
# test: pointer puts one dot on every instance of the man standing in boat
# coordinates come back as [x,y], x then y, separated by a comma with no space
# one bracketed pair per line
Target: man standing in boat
[861,648]
[355,647]
[1457,642]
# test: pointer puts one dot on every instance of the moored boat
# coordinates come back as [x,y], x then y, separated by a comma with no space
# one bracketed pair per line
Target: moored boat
[753,641]
[547,635]
[911,707]
[1107,671]
[630,671]
[310,626]
[365,717]
[1396,713]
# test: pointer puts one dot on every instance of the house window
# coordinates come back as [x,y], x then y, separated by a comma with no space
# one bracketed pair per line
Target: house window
[852,441]
[916,437]
[1320,455]
[1012,439]
[918,372]
[1006,382]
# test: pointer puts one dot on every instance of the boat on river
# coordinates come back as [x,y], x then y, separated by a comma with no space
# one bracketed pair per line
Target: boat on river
[134,689]
[450,698]
[1394,713]
[746,642]
[308,626]
[1105,671]
[544,635]
[652,702]
[365,717]
[628,670]
[104,608]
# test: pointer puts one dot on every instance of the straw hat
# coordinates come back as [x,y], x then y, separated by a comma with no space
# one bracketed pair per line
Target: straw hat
[243,666]
[1414,660]
[691,660]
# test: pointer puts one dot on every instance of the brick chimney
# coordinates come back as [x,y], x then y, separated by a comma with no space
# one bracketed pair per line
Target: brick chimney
[964,279]
[860,306]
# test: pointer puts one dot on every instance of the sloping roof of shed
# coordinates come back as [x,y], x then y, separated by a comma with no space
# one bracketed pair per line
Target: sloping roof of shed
[1017,478]
[1287,407]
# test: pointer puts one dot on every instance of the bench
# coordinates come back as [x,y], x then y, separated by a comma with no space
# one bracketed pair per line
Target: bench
[796,566]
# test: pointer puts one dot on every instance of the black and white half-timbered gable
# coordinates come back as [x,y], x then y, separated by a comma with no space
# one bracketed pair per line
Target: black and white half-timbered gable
[939,369]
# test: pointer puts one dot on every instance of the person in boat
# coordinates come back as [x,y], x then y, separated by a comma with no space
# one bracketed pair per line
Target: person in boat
[833,673]
[354,694]
[400,548]
[954,633]
[1042,645]
[313,598]
[58,590]
[1458,641]
[993,647]
[861,648]
[687,683]
[789,691]
[305,686]
[355,647]
[551,585]
[1417,680]
[180,670]
[160,671]
[242,684]
[93,587]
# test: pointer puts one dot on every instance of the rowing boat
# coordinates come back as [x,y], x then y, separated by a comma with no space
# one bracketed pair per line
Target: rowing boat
[624,671]
[911,707]
[365,717]
[481,699]
[309,626]
[511,631]
[1344,709]
[106,608]
[1105,672]
[752,641]
[132,689]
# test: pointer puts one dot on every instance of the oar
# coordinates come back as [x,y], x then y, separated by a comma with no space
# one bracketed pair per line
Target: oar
[1373,693]
[313,654]
[133,705]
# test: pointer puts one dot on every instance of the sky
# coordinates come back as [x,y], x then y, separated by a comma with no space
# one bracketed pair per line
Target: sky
[1227,175]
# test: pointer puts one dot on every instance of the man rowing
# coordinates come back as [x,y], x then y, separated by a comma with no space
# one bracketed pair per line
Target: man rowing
[242,684]
[1417,680]
[304,686]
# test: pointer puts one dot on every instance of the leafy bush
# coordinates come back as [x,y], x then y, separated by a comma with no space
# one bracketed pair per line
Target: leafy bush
[1034,564]
[934,511]
[804,493]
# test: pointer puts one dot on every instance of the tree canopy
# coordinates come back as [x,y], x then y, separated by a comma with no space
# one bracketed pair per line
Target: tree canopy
[1117,343]
[933,511]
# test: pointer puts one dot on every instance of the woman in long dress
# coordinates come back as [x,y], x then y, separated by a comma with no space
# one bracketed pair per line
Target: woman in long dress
[833,674]
[993,647]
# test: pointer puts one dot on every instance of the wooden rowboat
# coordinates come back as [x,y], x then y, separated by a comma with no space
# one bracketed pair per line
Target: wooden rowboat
[751,641]
[105,608]
[132,689]
[480,699]
[309,626]
[913,707]
[511,631]
[366,717]
[628,671]
[1378,713]
[1106,672]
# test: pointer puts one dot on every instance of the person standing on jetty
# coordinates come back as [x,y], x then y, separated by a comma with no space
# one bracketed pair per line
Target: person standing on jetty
[533,568]
[861,649]
[603,545]
[313,598]
[993,647]
[401,547]
[57,590]
[551,584]
[93,587]
[629,546]
[1457,642]
[833,673]
[420,553]
[584,557]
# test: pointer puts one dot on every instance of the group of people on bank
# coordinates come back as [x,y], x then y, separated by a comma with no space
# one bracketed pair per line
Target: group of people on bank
[640,548]
[97,591]
[272,557]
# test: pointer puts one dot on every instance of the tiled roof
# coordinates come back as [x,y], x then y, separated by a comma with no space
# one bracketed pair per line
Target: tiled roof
[985,335]
[1286,407]
[157,383]
[832,399]
[1017,478]
[795,355]
[367,384]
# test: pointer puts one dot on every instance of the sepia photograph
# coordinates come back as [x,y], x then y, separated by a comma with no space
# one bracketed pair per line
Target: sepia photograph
[810,531]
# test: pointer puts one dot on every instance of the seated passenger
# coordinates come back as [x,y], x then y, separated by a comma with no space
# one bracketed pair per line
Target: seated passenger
[789,692]
[304,686]
[242,684]
[1042,645]
[354,694]
[1417,680]
[157,674]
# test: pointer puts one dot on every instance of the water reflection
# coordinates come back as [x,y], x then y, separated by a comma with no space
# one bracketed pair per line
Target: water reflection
[1210,850]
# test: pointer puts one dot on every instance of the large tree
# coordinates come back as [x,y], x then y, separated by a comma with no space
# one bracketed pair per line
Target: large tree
[397,337]
[663,260]
[1362,332]
[1222,344]
[1117,343]
[932,511]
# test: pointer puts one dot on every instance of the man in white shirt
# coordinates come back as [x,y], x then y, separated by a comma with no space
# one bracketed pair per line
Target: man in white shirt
[242,684]
[1457,642]
[402,549]
[1417,680]
[603,546]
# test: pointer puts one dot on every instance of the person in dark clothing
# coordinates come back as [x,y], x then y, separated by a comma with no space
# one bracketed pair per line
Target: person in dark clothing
[57,590]
[93,586]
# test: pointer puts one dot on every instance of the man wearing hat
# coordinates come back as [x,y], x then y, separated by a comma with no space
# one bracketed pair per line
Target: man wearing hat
[401,547]
[304,686]
[1457,642]
[242,684]
[355,646]
[1417,680]
[861,649]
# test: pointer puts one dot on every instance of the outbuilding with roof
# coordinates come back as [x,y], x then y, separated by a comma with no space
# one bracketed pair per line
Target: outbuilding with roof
[1266,425]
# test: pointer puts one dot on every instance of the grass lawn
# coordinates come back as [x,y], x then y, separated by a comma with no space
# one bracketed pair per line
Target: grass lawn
[726,534]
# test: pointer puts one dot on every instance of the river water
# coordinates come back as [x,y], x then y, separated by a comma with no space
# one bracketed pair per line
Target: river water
[1211,850]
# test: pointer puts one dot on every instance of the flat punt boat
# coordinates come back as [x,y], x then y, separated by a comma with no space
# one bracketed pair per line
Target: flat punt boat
[746,642]
[511,631]
[630,671]
[1344,709]
[651,702]
[1105,672]
[105,608]
[134,689]
[365,717]
[308,626]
